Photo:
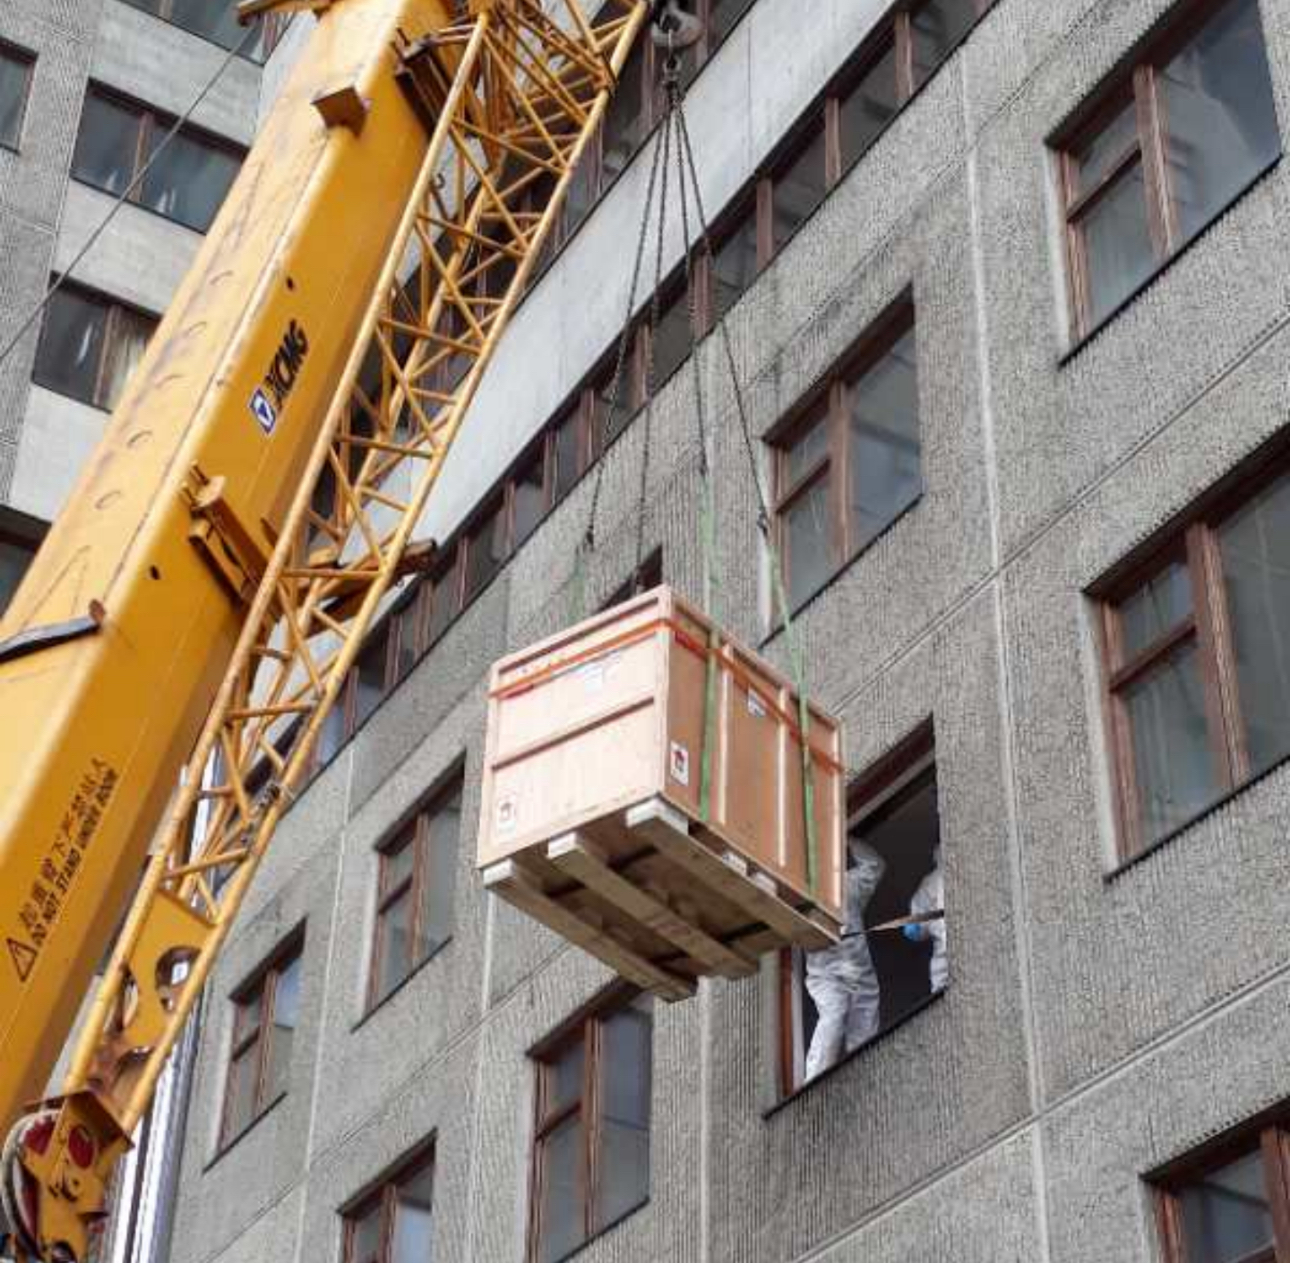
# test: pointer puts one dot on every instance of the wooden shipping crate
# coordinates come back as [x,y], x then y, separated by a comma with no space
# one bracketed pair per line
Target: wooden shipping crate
[593,818]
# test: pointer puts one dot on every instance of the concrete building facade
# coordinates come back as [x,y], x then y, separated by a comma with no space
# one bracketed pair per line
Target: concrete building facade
[1046,254]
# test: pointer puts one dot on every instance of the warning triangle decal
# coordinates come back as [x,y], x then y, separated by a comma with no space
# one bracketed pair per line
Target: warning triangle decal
[23,958]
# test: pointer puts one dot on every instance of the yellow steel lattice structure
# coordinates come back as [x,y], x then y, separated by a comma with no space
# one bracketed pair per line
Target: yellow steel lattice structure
[508,94]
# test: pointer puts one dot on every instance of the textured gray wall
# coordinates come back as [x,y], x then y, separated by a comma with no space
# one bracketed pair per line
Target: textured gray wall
[1096,1025]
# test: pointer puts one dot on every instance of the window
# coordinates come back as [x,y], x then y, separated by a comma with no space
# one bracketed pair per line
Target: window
[90,345]
[1198,663]
[19,539]
[218,23]
[394,1222]
[1165,150]
[416,883]
[266,1014]
[592,1141]
[187,180]
[849,464]
[15,86]
[1232,1205]
[834,1001]
[650,575]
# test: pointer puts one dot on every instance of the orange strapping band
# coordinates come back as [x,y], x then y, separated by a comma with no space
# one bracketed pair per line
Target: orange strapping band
[683,638]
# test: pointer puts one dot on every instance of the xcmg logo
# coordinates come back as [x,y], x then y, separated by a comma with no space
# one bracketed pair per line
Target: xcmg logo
[272,394]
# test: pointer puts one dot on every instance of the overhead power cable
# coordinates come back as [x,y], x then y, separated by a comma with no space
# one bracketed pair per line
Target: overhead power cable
[124,196]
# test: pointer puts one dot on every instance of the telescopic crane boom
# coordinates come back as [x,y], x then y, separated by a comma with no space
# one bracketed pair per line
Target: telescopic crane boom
[195,609]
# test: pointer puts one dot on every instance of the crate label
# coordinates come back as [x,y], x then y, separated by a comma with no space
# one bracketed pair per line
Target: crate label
[508,814]
[592,674]
[756,707]
[680,763]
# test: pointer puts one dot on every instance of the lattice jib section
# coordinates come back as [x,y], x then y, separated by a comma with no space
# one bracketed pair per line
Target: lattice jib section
[515,97]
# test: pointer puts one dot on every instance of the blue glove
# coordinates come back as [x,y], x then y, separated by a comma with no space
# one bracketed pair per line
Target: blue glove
[914,933]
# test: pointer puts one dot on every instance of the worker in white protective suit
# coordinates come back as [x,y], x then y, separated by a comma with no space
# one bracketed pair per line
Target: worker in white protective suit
[841,980]
[930,897]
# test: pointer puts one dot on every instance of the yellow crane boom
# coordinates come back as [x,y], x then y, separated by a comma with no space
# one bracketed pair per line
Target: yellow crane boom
[195,609]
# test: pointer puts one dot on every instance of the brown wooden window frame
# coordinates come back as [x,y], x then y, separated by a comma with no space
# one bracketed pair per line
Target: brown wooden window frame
[829,405]
[1194,542]
[384,1196]
[414,831]
[260,1039]
[1272,1141]
[151,122]
[25,60]
[1136,85]
[585,1029]
[116,312]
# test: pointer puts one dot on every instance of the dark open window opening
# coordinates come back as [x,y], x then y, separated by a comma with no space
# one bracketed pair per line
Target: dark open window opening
[266,1014]
[393,1222]
[894,836]
[90,345]
[20,537]
[1230,1201]
[186,181]
[1196,644]
[416,885]
[591,1147]
[16,69]
[1163,149]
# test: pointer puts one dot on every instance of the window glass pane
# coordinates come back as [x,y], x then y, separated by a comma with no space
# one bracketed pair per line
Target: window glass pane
[440,880]
[868,107]
[365,1238]
[107,145]
[15,76]
[286,1016]
[407,620]
[800,187]
[399,860]
[608,420]
[241,1092]
[673,338]
[1154,609]
[1117,243]
[735,264]
[14,560]
[1171,753]
[1094,160]
[624,127]
[811,445]
[624,1135]
[1220,121]
[215,19]
[937,28]
[883,451]
[530,496]
[584,189]
[567,434]
[394,945]
[1256,565]
[188,179]
[369,677]
[130,334]
[332,734]
[808,542]
[562,1197]
[71,344]
[723,14]
[485,552]
[414,1220]
[443,601]
[564,1078]
[1226,1215]
[249,1011]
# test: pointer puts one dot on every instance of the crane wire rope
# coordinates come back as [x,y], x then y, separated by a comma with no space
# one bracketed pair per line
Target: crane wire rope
[123,197]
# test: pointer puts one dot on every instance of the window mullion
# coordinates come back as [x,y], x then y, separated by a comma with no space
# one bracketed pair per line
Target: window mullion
[1276,1162]
[840,472]
[591,1123]
[105,354]
[832,141]
[1155,178]
[1217,616]
[1219,744]
[388,1209]
[266,1038]
[904,52]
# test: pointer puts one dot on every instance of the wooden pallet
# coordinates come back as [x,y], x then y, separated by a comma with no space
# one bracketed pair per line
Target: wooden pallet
[658,899]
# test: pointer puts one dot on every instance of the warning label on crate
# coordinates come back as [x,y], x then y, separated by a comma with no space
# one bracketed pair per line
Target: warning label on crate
[508,814]
[756,707]
[679,764]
